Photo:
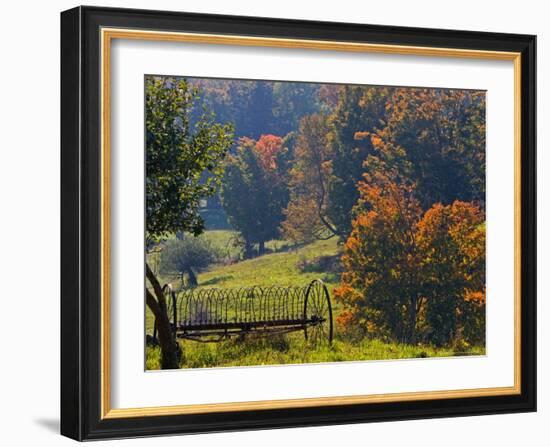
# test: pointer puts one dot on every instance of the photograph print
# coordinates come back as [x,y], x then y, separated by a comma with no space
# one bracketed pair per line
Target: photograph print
[296,222]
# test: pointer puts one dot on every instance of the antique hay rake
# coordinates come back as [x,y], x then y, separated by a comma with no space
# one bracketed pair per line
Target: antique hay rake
[213,315]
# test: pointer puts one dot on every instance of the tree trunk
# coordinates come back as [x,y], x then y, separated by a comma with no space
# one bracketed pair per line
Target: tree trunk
[193,282]
[247,249]
[412,321]
[261,248]
[169,347]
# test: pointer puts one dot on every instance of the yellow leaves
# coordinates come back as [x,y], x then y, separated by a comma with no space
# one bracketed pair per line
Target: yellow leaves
[394,250]
[345,292]
[302,219]
[376,141]
[352,243]
[361,136]
[475,296]
[345,319]
[372,327]
[452,238]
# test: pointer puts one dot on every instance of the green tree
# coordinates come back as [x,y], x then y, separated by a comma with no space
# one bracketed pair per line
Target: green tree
[183,165]
[436,138]
[260,107]
[187,256]
[254,191]
[292,102]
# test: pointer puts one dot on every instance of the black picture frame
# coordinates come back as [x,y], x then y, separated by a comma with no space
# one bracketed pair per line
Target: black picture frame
[81,210]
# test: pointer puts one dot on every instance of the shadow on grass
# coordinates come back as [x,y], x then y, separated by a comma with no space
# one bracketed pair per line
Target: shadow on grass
[331,277]
[216,280]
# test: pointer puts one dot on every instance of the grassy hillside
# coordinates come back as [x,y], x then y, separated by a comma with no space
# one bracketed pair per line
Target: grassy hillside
[278,268]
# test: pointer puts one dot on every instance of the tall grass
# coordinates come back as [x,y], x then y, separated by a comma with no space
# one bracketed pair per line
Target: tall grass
[293,349]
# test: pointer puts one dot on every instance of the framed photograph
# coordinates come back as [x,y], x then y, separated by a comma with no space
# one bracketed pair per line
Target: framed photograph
[275,223]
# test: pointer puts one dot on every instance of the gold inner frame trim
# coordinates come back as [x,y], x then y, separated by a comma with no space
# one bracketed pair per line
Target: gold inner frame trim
[107,35]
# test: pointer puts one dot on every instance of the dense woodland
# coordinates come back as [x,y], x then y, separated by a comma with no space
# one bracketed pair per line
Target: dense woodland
[395,175]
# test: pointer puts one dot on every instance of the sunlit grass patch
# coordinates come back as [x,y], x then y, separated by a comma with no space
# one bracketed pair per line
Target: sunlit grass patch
[293,349]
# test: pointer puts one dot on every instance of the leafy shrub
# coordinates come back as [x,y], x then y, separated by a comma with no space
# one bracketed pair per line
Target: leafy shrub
[321,264]
[187,256]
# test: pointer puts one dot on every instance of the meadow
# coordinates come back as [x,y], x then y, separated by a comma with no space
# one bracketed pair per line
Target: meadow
[282,265]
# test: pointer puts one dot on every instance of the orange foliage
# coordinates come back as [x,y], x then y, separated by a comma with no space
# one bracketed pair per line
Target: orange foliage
[456,233]
[402,265]
[267,148]
[306,218]
[361,135]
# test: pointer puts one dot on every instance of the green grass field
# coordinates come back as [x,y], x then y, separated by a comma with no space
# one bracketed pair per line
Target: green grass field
[280,267]
[292,349]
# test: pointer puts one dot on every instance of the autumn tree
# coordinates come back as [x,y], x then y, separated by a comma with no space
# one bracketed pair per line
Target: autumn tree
[451,239]
[411,275]
[254,190]
[436,138]
[178,155]
[306,214]
[379,290]
[328,95]
[359,109]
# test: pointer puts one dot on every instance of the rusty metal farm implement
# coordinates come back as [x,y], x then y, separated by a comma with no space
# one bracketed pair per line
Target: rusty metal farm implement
[212,315]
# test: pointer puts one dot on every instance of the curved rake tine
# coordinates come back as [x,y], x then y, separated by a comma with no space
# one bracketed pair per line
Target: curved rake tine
[265,310]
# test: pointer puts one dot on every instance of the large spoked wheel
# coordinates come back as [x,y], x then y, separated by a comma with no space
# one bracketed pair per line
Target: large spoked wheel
[318,314]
